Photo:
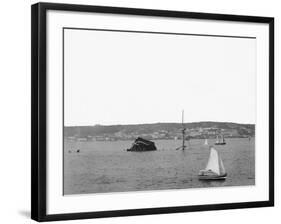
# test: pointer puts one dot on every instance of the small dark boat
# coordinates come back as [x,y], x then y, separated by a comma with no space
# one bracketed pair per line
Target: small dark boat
[142,145]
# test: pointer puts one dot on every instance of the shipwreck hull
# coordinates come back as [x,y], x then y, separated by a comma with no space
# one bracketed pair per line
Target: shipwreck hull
[142,145]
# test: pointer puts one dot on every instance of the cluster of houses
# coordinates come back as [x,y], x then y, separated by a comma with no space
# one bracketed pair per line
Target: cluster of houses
[195,133]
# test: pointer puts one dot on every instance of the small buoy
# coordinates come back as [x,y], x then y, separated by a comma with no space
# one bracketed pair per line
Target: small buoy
[78,150]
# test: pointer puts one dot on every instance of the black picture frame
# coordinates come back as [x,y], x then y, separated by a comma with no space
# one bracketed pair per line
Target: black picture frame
[39,108]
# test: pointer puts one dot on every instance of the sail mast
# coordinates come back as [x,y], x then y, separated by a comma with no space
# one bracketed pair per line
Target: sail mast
[183,131]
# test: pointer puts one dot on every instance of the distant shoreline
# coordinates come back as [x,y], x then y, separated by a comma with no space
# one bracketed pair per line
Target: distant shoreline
[161,139]
[194,130]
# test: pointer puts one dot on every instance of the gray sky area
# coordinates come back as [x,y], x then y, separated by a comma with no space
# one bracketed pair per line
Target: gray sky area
[133,78]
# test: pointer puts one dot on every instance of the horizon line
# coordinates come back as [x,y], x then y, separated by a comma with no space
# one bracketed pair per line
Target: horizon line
[159,123]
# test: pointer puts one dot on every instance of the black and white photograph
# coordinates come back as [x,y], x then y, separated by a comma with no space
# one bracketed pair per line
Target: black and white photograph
[140,112]
[151,111]
[146,111]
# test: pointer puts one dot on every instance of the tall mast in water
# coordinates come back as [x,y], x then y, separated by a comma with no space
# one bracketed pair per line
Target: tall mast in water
[183,131]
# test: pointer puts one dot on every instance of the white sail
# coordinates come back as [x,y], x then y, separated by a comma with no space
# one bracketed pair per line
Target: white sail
[206,142]
[222,169]
[217,141]
[213,163]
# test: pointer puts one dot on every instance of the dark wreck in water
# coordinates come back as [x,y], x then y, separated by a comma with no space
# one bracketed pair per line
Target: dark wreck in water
[141,145]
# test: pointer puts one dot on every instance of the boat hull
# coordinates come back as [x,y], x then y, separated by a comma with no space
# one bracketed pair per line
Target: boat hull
[142,145]
[210,175]
[205,177]
[223,143]
[140,150]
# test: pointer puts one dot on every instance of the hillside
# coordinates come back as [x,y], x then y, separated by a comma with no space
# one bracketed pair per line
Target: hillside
[159,131]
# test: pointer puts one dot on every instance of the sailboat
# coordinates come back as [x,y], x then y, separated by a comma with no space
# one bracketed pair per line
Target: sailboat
[215,169]
[220,140]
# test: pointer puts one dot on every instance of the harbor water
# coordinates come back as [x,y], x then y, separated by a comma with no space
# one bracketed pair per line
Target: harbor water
[106,166]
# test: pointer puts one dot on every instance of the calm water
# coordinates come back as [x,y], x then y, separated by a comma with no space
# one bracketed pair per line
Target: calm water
[106,166]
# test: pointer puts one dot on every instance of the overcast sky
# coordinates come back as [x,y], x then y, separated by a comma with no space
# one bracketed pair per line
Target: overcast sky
[133,78]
